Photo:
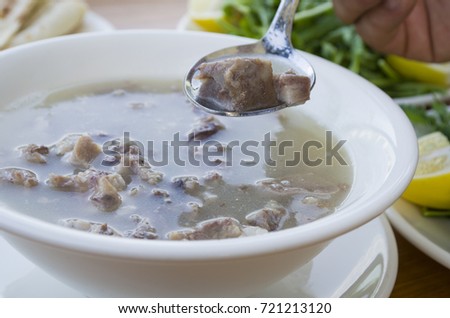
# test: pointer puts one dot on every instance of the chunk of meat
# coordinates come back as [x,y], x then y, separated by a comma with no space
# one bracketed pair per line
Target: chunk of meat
[80,182]
[150,176]
[34,153]
[218,228]
[292,89]
[163,194]
[189,184]
[91,227]
[213,177]
[253,231]
[85,180]
[310,200]
[84,152]
[269,217]
[237,84]
[144,230]
[23,177]
[245,84]
[133,163]
[69,183]
[281,186]
[122,145]
[66,144]
[205,127]
[307,184]
[134,159]
[116,181]
[106,197]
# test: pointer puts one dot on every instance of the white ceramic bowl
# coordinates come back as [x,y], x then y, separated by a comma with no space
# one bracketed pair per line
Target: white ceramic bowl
[381,144]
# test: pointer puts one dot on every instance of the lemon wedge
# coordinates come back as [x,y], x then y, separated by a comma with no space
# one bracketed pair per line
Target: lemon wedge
[430,186]
[434,73]
[206,14]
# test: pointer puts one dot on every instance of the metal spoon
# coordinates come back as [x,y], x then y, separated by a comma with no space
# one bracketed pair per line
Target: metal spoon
[275,44]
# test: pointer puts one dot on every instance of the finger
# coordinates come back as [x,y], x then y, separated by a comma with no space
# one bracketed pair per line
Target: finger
[383,23]
[351,10]
[387,16]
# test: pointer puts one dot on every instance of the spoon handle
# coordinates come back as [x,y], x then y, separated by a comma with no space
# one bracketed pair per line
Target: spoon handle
[278,36]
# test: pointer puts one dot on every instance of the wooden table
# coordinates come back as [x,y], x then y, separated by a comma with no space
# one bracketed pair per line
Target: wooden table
[418,275]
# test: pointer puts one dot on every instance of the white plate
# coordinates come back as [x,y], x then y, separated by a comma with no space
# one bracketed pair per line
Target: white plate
[430,235]
[362,263]
[421,100]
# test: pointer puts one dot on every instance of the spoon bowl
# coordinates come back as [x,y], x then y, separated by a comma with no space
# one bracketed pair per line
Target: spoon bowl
[275,46]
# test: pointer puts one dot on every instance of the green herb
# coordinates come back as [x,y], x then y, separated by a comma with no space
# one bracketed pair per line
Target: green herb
[426,121]
[318,31]
[429,212]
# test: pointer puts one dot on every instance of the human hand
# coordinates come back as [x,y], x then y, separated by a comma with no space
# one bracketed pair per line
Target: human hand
[416,29]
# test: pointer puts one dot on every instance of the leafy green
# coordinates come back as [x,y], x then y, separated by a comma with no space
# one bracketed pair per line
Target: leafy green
[426,121]
[318,31]
[429,212]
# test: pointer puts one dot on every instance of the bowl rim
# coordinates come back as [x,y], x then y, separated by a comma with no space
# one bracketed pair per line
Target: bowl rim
[53,235]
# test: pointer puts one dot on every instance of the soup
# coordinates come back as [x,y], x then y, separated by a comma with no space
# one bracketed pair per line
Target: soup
[137,160]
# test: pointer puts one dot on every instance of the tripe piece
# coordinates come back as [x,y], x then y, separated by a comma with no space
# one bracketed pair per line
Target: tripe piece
[238,84]
[34,153]
[292,89]
[84,152]
[23,177]
[106,197]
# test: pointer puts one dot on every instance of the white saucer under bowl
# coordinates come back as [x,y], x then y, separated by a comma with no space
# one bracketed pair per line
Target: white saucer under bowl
[362,263]
[430,235]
